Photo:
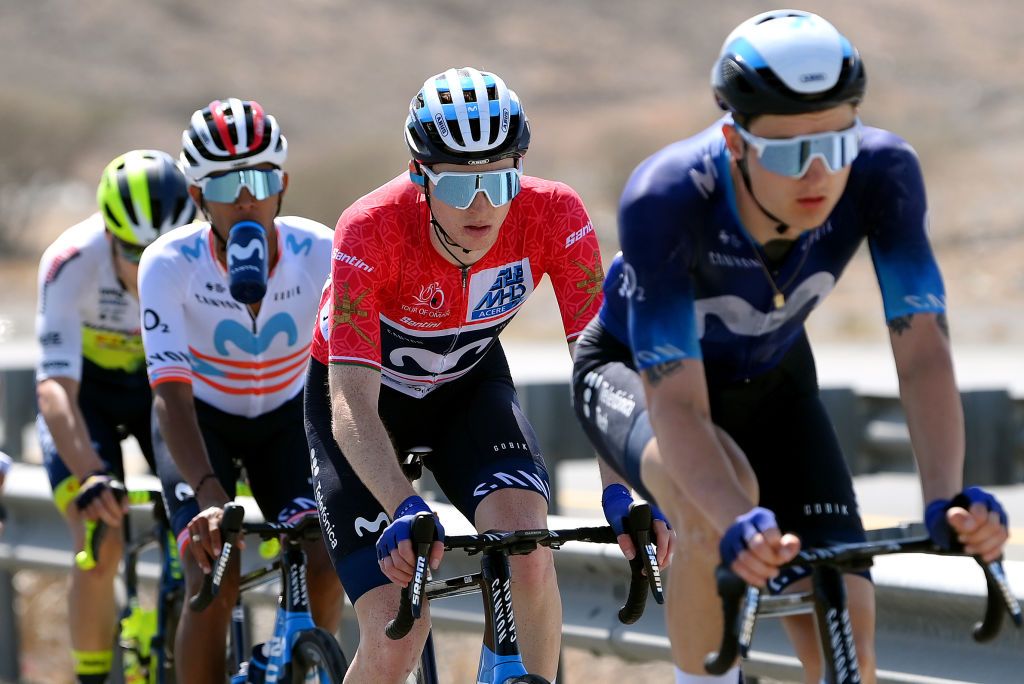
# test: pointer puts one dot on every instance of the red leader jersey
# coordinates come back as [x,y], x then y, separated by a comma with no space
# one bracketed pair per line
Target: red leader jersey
[394,304]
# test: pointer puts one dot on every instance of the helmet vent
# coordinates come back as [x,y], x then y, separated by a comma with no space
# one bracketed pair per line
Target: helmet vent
[126,193]
[111,219]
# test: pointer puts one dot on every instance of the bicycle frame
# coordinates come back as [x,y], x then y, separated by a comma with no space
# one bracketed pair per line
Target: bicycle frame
[293,616]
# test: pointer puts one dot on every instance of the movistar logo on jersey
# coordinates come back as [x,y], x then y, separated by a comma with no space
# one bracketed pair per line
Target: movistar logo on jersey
[496,291]
[248,343]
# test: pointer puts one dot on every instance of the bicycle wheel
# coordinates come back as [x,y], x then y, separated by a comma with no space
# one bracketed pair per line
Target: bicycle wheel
[527,679]
[316,652]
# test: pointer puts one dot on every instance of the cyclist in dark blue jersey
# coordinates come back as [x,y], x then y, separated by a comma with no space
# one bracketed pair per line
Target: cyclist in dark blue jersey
[696,381]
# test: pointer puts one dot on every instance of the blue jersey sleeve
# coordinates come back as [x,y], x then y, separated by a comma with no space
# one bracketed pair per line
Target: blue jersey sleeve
[656,280]
[897,222]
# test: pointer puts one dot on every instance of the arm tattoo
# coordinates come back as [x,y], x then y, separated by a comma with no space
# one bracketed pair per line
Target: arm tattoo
[900,325]
[655,374]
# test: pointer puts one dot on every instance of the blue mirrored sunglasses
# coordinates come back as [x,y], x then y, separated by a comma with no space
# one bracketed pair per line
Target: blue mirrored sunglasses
[458,189]
[261,184]
[793,156]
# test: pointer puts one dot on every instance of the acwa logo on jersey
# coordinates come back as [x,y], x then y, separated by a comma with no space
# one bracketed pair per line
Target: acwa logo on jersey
[496,291]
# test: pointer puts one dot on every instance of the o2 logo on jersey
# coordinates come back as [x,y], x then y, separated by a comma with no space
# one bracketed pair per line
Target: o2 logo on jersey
[628,287]
[496,291]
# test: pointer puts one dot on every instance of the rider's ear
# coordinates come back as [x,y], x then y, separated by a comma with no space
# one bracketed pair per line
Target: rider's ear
[416,175]
[733,141]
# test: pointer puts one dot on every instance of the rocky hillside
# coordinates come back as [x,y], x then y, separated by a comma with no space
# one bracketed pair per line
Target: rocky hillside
[605,84]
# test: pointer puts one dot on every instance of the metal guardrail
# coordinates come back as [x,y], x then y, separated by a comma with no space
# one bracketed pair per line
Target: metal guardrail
[871,426]
[926,605]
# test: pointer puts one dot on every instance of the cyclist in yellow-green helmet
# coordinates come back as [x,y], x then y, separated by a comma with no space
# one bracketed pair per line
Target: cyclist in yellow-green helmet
[91,376]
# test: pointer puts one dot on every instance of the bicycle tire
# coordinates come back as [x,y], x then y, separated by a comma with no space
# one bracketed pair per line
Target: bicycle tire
[316,649]
[527,679]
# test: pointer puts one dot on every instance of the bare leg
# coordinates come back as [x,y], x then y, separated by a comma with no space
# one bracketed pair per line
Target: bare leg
[693,611]
[535,596]
[379,660]
[92,610]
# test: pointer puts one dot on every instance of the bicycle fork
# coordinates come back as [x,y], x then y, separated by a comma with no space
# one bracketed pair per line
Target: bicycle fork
[500,658]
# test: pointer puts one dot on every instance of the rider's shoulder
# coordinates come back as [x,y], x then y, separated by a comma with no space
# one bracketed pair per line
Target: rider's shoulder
[185,244]
[84,235]
[385,205]
[306,226]
[683,171]
[882,150]
[544,196]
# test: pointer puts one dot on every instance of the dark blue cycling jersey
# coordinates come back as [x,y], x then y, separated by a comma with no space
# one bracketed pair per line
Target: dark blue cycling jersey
[689,283]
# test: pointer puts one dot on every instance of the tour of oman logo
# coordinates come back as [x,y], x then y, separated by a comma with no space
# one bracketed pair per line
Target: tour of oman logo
[430,295]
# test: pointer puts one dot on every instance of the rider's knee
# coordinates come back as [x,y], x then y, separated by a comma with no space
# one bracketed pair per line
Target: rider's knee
[534,569]
[389,660]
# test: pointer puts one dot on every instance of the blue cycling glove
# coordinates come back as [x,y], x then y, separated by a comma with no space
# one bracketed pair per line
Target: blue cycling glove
[735,539]
[401,526]
[616,501]
[939,529]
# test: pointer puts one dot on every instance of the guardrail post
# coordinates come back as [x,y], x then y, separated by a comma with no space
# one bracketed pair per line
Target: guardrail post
[991,452]
[9,642]
[848,418]
[19,407]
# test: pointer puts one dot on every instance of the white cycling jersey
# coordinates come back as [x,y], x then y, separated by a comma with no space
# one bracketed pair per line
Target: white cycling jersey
[83,310]
[195,332]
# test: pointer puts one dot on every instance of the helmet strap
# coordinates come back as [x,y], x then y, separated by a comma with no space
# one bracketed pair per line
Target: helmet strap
[782,227]
[442,235]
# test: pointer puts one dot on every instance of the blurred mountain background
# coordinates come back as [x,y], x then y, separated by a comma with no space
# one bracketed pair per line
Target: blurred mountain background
[604,83]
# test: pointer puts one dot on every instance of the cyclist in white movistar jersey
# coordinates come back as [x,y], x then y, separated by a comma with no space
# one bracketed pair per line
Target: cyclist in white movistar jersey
[91,381]
[227,375]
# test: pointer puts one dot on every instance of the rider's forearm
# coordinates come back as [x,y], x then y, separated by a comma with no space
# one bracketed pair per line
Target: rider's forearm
[58,404]
[364,441]
[609,476]
[936,422]
[179,426]
[687,437]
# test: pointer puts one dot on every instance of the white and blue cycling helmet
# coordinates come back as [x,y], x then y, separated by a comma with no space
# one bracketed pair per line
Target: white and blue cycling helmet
[466,116]
[786,62]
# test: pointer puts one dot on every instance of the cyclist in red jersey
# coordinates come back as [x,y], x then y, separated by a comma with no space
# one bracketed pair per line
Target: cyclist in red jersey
[425,275]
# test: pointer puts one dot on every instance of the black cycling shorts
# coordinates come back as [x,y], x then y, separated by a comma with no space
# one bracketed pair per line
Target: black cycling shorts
[481,443]
[777,419]
[271,447]
[111,411]
[608,398]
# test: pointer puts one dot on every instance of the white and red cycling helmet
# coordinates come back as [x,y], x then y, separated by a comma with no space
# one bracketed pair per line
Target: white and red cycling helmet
[230,134]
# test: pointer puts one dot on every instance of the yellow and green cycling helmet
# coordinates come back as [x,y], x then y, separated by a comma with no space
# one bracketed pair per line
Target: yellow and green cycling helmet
[143,194]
